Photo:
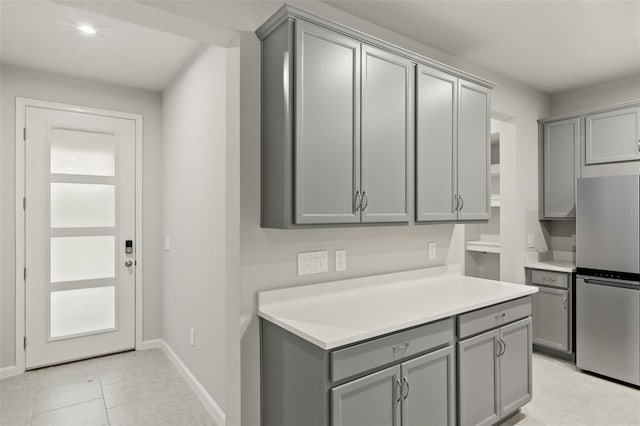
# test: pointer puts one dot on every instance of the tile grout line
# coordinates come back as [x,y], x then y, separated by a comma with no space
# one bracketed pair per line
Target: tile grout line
[104,402]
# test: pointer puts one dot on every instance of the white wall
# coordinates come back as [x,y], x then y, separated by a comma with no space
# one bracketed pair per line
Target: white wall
[21,82]
[615,92]
[268,257]
[194,183]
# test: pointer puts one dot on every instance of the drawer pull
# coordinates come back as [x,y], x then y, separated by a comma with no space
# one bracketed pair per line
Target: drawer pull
[401,347]
[501,316]
[406,382]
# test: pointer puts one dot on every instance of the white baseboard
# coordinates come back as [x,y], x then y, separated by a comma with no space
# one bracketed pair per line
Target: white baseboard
[150,344]
[10,371]
[210,404]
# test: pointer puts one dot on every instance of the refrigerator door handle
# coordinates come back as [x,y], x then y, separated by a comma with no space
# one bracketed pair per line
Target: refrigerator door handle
[612,284]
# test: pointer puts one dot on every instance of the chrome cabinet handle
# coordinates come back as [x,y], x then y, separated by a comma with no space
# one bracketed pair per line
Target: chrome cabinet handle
[128,264]
[398,390]
[365,200]
[504,347]
[401,347]
[500,316]
[357,203]
[406,382]
[498,348]
[638,145]
[461,203]
[564,302]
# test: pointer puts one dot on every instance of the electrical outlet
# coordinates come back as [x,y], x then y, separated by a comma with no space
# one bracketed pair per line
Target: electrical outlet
[573,240]
[192,336]
[313,262]
[432,250]
[341,260]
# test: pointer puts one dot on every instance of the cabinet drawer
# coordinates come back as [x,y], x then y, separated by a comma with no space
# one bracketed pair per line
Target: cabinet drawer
[494,316]
[551,279]
[369,355]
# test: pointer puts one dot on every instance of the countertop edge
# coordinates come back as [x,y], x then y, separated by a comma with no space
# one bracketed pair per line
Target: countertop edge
[526,291]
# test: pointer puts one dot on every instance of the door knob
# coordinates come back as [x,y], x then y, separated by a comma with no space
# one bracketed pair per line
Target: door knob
[128,264]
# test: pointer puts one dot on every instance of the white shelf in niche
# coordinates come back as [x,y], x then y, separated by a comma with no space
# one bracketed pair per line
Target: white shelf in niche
[495,200]
[495,170]
[486,244]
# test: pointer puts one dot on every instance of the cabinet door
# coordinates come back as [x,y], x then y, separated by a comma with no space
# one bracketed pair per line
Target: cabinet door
[561,149]
[327,135]
[387,135]
[373,400]
[473,151]
[430,394]
[613,136]
[436,182]
[479,385]
[515,366]
[551,318]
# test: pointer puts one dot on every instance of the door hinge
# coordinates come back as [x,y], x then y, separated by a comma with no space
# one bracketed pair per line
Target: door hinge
[24,134]
[24,341]
[24,273]
[24,203]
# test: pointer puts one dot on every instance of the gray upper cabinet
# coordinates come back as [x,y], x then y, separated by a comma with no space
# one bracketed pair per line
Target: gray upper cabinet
[387,135]
[474,112]
[613,136]
[338,130]
[560,153]
[327,101]
[515,366]
[436,171]
[452,148]
[430,395]
[370,400]
[479,380]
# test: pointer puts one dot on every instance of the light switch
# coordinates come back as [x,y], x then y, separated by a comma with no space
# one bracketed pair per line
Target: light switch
[341,260]
[531,240]
[313,262]
[167,243]
[432,250]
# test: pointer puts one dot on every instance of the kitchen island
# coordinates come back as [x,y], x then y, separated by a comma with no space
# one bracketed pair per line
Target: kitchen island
[419,347]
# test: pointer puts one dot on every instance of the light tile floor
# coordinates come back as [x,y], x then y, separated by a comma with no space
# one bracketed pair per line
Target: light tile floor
[563,395]
[131,388]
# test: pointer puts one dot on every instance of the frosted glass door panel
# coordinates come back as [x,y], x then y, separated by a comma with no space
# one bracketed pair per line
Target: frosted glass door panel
[82,258]
[80,152]
[82,311]
[81,205]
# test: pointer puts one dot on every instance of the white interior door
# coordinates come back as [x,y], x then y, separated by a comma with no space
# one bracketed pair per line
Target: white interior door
[80,213]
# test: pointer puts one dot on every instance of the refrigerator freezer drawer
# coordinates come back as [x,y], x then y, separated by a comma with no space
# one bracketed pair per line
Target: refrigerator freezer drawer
[608,330]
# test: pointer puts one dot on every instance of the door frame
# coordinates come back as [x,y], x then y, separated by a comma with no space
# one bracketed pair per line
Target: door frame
[20,170]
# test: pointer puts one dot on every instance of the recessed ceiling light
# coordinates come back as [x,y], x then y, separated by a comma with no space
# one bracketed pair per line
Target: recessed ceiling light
[86,29]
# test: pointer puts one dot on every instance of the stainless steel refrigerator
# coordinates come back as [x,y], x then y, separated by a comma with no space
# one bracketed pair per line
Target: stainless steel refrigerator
[608,277]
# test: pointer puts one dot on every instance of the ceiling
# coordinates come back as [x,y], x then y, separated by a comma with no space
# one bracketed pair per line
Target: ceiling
[553,46]
[42,35]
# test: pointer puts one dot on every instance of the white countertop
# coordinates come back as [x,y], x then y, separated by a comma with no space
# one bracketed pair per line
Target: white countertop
[553,265]
[339,313]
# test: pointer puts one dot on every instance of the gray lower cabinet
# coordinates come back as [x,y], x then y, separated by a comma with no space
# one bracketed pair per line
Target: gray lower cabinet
[560,152]
[373,400]
[552,310]
[452,148]
[417,392]
[430,395]
[551,318]
[613,136]
[494,373]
